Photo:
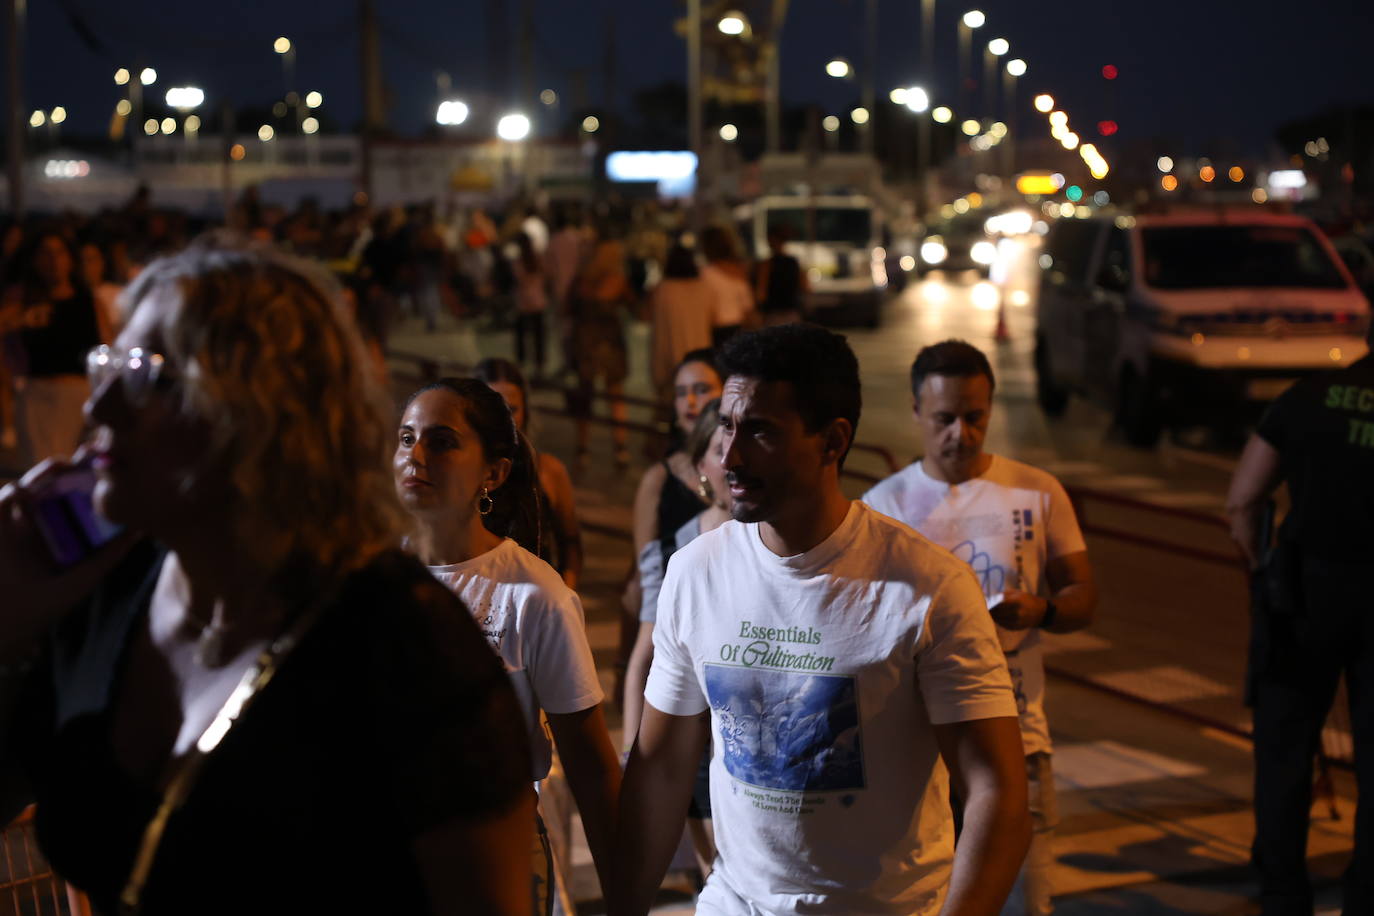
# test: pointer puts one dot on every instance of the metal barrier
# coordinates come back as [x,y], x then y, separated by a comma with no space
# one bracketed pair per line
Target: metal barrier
[28,886]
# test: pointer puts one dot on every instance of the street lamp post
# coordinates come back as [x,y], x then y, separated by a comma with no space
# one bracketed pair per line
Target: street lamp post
[994,49]
[186,99]
[971,20]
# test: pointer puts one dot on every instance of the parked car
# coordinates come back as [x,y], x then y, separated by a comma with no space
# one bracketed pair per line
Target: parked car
[960,243]
[1190,317]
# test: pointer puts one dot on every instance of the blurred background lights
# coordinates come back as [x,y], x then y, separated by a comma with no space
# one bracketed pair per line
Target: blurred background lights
[974,19]
[859,115]
[1165,164]
[169,125]
[121,76]
[237,152]
[123,107]
[38,119]
[281,45]
[192,124]
[313,100]
[451,113]
[942,114]
[148,76]
[898,95]
[1044,103]
[1074,193]
[729,132]
[59,114]
[513,127]
[1236,174]
[999,46]
[265,133]
[150,126]
[970,127]
[917,100]
[1259,195]
[732,23]
[1059,118]
[1016,67]
[591,124]
[1169,183]
[831,123]
[1109,72]
[185,97]
[310,126]
[1207,173]
[838,68]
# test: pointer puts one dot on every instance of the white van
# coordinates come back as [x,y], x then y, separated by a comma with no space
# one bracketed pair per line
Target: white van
[1189,317]
[836,237]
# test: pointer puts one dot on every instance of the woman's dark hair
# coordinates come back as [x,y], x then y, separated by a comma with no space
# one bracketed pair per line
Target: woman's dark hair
[515,511]
[34,286]
[495,370]
[680,264]
[717,244]
[699,439]
[529,260]
[701,355]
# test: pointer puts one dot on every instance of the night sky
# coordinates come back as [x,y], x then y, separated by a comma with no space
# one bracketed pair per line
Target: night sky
[1193,71]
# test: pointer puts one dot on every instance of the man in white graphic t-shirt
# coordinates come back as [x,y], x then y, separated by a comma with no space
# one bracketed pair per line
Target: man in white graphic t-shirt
[844,669]
[1014,526]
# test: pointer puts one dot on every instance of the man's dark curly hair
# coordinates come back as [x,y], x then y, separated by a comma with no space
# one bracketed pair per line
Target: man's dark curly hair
[818,364]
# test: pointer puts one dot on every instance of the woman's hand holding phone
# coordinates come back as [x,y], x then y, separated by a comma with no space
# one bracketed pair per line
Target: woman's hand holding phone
[36,585]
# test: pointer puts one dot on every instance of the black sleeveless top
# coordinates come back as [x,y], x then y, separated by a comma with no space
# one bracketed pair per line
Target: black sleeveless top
[678,504]
[60,346]
[391,718]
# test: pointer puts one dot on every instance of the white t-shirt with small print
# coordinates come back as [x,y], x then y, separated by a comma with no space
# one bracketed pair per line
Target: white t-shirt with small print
[535,623]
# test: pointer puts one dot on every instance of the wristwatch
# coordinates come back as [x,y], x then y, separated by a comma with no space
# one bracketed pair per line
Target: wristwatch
[1047,620]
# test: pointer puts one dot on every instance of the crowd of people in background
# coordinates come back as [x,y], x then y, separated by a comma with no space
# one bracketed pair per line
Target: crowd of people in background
[537,269]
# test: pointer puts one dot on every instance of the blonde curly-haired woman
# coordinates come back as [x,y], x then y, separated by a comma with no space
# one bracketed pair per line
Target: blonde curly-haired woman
[252,701]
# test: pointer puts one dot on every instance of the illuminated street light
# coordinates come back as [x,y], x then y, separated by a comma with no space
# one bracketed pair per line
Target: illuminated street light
[1236,174]
[917,99]
[898,95]
[281,45]
[998,129]
[38,119]
[185,98]
[1044,103]
[729,133]
[123,107]
[265,133]
[859,115]
[999,46]
[839,68]
[1058,119]
[1207,173]
[451,112]
[831,123]
[310,126]
[591,124]
[169,125]
[974,19]
[148,76]
[150,126]
[733,23]
[970,128]
[548,97]
[192,124]
[513,127]
[942,115]
[313,100]
[1016,67]
[1070,140]
[121,76]
[1165,164]
[59,114]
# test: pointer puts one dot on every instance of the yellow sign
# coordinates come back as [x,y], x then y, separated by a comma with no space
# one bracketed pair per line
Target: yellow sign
[1037,184]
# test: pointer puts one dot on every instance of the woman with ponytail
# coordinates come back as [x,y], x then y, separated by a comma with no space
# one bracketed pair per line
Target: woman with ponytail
[467,477]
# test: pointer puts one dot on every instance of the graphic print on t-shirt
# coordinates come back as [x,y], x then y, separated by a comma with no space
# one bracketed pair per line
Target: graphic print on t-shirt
[784,730]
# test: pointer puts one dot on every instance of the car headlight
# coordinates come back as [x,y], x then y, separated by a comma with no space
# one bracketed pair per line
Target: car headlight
[933,251]
[983,252]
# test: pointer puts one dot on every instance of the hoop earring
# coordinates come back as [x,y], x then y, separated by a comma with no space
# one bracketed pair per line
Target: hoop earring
[484,497]
[704,488]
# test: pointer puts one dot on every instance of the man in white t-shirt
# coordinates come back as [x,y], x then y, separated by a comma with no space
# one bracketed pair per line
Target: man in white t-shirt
[1015,527]
[845,667]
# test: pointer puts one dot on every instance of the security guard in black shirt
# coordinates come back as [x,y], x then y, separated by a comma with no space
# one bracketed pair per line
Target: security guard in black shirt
[1313,618]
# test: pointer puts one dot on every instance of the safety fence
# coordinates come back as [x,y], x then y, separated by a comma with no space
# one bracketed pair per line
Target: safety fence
[28,886]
